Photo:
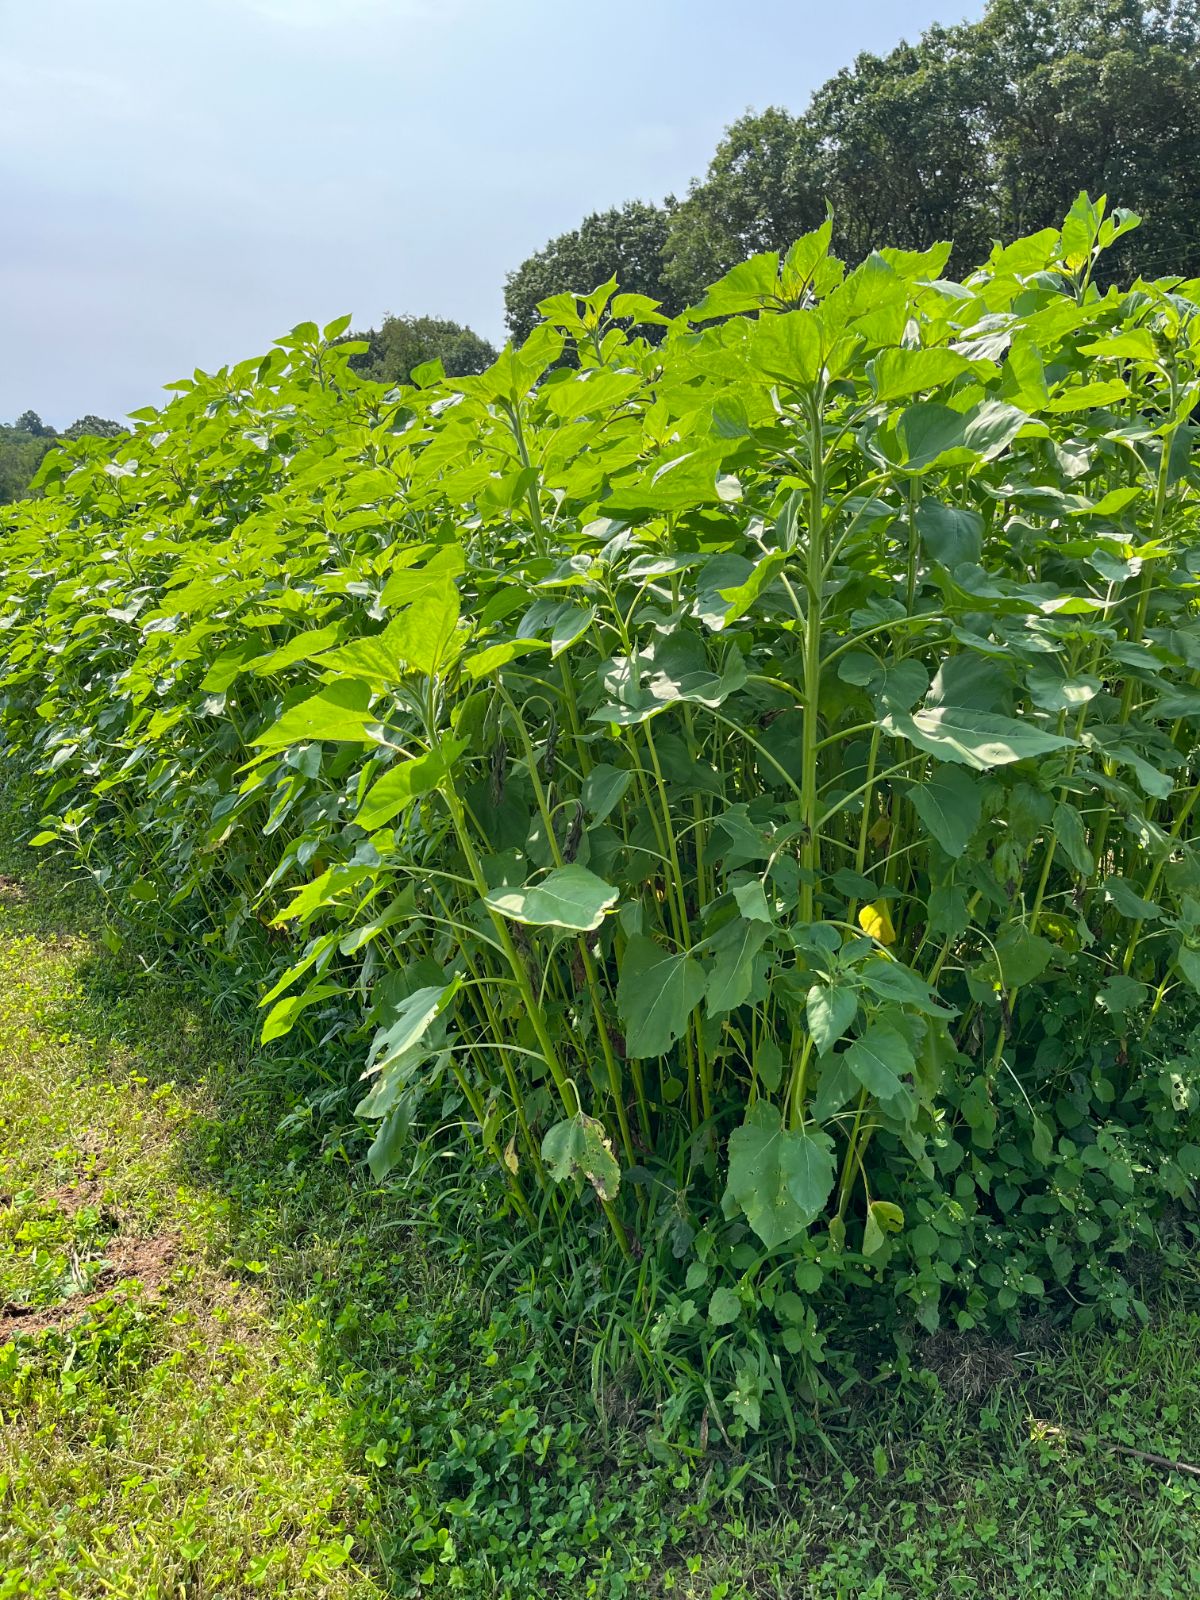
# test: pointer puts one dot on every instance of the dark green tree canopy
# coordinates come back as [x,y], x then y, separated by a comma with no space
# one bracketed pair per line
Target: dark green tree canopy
[25,443]
[93,427]
[627,243]
[400,344]
[762,190]
[976,132]
[29,422]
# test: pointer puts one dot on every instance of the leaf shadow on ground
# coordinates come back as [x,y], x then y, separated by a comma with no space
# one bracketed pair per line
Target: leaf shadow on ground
[463,1445]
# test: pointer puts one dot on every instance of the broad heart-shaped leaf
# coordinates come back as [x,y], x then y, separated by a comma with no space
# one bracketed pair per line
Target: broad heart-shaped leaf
[950,534]
[741,596]
[407,781]
[410,585]
[949,803]
[745,287]
[494,656]
[724,1307]
[1120,893]
[225,668]
[580,1147]
[1023,956]
[896,687]
[420,639]
[395,1098]
[929,434]
[830,1008]
[425,636]
[979,739]
[1018,957]
[656,994]
[301,647]
[732,977]
[1072,838]
[603,788]
[836,1086]
[780,1178]
[897,373]
[569,897]
[788,346]
[878,1059]
[891,980]
[688,479]
[390,1140]
[1187,959]
[752,901]
[676,669]
[1089,396]
[338,712]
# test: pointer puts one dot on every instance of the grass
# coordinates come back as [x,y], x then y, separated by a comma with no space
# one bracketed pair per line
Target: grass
[245,1370]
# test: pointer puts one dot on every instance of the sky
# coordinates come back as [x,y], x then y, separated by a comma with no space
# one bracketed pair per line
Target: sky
[182,180]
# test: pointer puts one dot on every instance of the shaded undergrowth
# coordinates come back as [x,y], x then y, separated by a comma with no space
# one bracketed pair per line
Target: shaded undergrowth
[333,1388]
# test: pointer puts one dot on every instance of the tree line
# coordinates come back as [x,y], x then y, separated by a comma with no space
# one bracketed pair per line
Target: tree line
[25,442]
[978,131]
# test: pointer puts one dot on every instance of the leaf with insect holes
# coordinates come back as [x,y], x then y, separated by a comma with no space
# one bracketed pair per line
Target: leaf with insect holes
[569,897]
[580,1147]
[779,1178]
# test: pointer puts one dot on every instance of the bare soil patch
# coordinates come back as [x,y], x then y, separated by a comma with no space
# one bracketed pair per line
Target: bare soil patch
[146,1261]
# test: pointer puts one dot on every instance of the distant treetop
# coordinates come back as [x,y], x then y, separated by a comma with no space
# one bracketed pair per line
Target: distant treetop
[24,444]
[401,343]
[976,132]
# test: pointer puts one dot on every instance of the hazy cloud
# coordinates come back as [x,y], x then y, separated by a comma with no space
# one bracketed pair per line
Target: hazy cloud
[339,13]
[182,181]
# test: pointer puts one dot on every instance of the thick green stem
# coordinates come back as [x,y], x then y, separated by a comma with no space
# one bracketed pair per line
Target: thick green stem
[589,966]
[810,844]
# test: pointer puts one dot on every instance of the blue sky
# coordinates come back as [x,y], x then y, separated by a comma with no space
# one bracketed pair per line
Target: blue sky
[184,179]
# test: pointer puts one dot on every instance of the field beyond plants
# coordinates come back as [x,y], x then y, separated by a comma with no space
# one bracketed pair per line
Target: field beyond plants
[703,811]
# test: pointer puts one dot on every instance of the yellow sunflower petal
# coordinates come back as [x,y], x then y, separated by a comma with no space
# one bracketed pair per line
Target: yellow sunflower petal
[874,920]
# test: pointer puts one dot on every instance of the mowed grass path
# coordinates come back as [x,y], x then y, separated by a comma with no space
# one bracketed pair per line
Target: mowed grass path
[165,1430]
[229,1367]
